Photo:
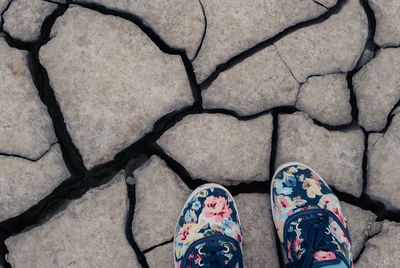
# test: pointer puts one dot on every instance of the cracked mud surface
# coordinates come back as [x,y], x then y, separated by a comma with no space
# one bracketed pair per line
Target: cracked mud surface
[113,111]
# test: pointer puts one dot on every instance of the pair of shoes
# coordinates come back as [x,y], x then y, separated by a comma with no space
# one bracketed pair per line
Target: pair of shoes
[307,215]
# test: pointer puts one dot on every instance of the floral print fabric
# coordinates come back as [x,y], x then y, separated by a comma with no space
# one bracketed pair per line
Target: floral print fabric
[297,189]
[210,212]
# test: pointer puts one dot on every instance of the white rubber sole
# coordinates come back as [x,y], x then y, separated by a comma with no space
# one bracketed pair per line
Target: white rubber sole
[193,194]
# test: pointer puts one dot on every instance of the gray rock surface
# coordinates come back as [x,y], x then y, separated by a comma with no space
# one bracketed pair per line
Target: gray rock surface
[111,86]
[180,23]
[335,155]
[161,256]
[377,88]
[234,26]
[259,83]
[24,183]
[258,230]
[387,32]
[90,232]
[396,110]
[326,98]
[326,3]
[382,250]
[361,224]
[383,165]
[220,148]
[25,25]
[160,196]
[334,45]
[367,55]
[3,6]
[25,127]
[373,138]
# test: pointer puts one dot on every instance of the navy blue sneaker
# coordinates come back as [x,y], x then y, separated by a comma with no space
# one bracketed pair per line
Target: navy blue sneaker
[208,232]
[310,223]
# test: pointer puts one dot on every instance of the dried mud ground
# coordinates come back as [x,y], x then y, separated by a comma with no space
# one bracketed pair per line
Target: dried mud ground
[113,111]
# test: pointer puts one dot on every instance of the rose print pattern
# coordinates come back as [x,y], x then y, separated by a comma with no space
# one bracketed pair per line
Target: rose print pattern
[210,212]
[323,255]
[188,233]
[297,190]
[215,210]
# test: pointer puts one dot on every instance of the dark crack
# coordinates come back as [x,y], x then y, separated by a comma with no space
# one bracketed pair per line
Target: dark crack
[193,183]
[370,146]
[17,43]
[81,180]
[71,155]
[308,77]
[236,115]
[391,46]
[281,110]
[274,144]
[2,14]
[36,215]
[363,248]
[158,245]
[129,218]
[320,4]
[371,24]
[297,97]
[264,44]
[319,75]
[204,32]
[341,128]
[365,162]
[389,119]
[27,158]
[157,40]
[353,98]
[78,184]
[44,36]
[138,152]
[138,21]
[367,203]
[272,163]
[370,45]
[53,2]
[287,66]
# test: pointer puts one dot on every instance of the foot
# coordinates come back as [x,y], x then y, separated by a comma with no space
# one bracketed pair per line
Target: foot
[208,232]
[309,220]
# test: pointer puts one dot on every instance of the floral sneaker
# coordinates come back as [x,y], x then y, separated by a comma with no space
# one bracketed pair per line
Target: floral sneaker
[309,220]
[208,232]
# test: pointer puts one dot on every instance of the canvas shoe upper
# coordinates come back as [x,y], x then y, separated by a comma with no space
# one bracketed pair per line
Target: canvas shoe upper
[208,232]
[308,218]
